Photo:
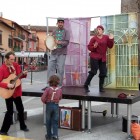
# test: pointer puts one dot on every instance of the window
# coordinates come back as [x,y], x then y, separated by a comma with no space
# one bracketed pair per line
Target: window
[10,42]
[0,37]
[34,45]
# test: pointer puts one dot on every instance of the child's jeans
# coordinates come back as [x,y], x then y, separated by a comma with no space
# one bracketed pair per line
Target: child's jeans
[52,115]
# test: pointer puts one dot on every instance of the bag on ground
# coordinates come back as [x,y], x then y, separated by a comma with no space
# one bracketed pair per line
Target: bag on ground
[135,130]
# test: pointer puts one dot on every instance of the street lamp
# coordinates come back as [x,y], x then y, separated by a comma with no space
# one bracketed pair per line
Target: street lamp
[22,53]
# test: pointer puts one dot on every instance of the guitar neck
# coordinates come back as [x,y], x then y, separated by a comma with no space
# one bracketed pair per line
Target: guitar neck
[18,76]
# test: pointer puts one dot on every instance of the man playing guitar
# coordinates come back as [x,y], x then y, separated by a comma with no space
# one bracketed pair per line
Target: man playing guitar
[8,68]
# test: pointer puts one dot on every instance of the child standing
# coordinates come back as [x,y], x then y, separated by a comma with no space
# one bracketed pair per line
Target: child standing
[51,97]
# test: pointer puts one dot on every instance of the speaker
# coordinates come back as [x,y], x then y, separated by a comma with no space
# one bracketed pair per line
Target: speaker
[76,119]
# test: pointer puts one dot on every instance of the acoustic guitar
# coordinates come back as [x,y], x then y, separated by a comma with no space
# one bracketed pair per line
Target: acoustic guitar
[12,79]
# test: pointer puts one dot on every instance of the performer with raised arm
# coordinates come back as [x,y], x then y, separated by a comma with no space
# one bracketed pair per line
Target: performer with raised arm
[98,46]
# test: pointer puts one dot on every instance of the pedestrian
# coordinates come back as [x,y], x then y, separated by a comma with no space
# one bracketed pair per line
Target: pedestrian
[58,55]
[51,97]
[98,46]
[6,70]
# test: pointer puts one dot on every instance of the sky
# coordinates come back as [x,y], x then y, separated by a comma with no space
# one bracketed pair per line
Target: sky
[34,12]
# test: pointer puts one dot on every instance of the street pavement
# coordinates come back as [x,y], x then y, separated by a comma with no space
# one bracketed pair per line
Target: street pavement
[103,127]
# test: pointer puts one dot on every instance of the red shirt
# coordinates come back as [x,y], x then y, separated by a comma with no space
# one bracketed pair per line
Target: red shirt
[49,97]
[100,51]
[4,74]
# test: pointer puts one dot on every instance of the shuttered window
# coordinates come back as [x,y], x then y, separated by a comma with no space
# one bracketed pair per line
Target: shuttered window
[0,37]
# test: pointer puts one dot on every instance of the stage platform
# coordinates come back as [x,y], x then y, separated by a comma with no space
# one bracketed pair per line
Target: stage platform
[78,93]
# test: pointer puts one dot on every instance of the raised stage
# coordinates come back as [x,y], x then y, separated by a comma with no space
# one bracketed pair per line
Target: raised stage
[78,93]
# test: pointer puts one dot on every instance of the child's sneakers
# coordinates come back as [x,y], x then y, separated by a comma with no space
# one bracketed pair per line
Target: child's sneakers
[55,138]
[47,138]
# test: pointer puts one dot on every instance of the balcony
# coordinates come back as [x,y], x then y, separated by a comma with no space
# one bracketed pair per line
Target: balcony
[33,37]
[19,37]
[16,49]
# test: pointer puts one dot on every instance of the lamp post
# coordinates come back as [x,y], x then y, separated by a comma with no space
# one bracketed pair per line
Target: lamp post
[22,53]
[31,75]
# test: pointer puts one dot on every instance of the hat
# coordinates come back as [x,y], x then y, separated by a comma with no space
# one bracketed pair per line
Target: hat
[122,95]
[60,19]
[100,26]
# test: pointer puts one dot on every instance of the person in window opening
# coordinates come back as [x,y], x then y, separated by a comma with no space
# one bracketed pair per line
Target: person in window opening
[58,55]
[98,47]
[8,68]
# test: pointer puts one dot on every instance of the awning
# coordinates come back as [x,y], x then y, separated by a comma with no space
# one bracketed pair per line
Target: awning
[29,54]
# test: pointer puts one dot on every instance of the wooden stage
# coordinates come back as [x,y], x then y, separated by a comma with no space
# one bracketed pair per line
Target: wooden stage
[78,93]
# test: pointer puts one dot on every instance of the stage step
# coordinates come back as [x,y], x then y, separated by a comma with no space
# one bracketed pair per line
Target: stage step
[2,137]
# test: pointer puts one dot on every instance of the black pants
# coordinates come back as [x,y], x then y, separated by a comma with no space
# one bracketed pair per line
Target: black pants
[95,66]
[9,114]
[98,64]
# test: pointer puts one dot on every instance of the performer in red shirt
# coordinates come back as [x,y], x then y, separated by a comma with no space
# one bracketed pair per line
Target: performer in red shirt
[98,46]
[8,68]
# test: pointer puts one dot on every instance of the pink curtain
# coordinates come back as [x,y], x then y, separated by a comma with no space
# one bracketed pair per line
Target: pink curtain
[76,65]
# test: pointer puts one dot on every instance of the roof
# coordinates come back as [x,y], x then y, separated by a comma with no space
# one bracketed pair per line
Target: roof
[4,23]
[39,28]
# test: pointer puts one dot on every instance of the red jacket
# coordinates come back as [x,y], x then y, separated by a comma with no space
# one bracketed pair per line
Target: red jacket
[49,97]
[100,51]
[4,74]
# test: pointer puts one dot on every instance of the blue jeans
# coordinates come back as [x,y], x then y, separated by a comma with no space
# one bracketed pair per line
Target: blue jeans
[52,116]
